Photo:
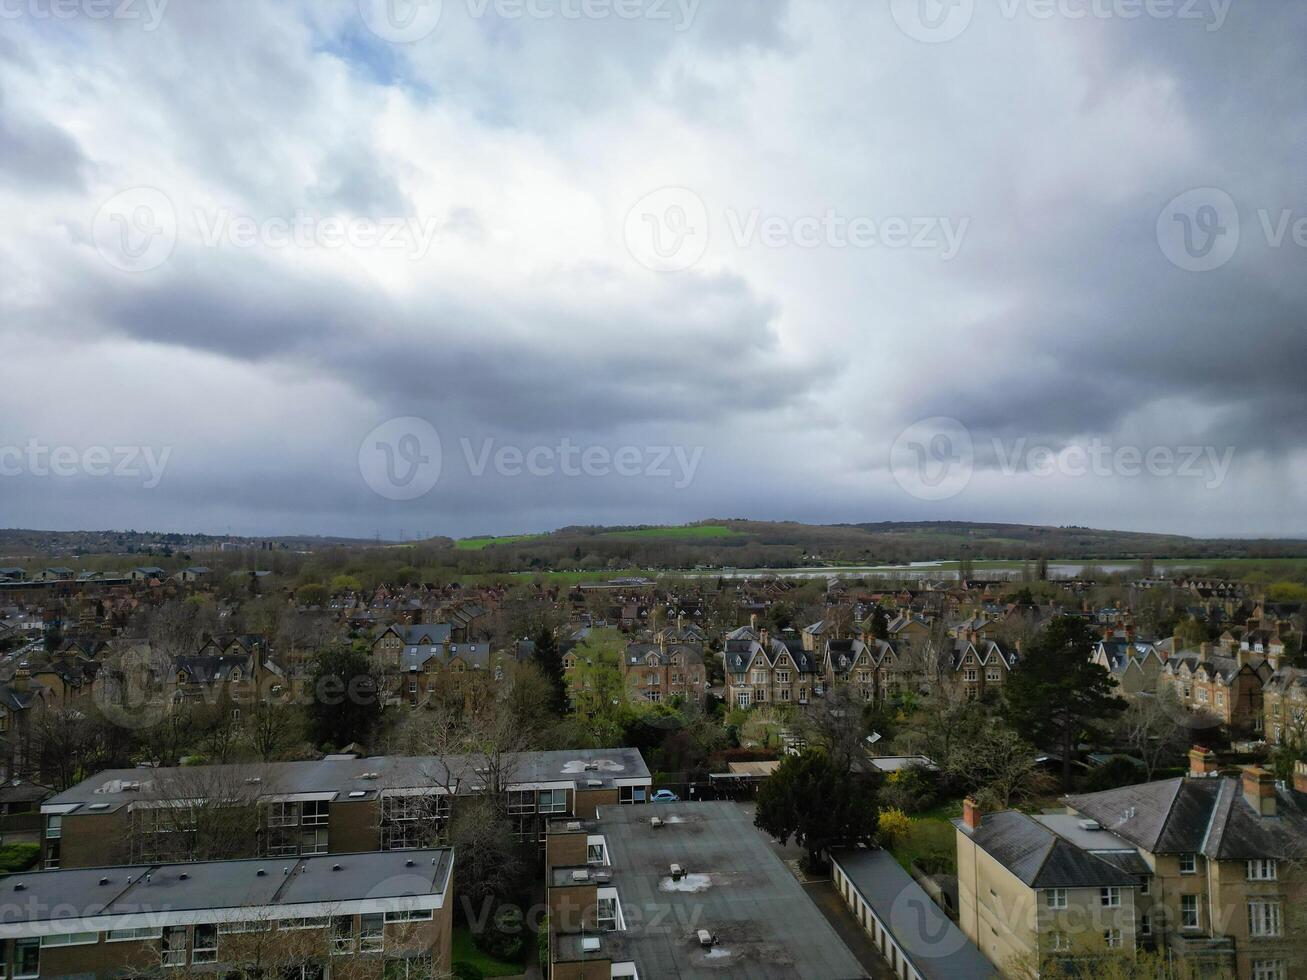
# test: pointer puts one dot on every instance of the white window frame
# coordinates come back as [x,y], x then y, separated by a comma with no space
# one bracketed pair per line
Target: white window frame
[1188,864]
[1113,938]
[1263,869]
[1265,918]
[1110,897]
[1185,923]
[1269,970]
[206,953]
[1055,898]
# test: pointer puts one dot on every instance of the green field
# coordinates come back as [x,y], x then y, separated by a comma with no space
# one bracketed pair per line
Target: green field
[681,532]
[479,544]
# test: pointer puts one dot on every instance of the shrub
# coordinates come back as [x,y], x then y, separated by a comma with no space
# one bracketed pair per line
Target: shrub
[463,970]
[894,826]
[18,857]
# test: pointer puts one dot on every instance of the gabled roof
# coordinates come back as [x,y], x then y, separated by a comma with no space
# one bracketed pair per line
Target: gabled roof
[1041,858]
[1198,816]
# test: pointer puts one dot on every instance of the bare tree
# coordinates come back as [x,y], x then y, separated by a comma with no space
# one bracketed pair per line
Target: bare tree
[269,727]
[1155,727]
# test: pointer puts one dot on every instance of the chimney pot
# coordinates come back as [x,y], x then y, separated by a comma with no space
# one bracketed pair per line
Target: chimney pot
[1202,762]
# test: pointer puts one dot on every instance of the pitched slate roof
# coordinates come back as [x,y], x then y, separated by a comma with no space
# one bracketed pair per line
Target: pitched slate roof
[1039,857]
[1206,816]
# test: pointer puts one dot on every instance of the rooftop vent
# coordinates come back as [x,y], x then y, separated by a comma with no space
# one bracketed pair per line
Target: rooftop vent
[260,873]
[706,938]
[594,783]
[410,863]
[183,876]
[655,822]
[20,887]
[678,872]
[336,867]
[590,944]
[253,780]
[1090,825]
[357,794]
[104,881]
[582,874]
[574,825]
[592,767]
[370,775]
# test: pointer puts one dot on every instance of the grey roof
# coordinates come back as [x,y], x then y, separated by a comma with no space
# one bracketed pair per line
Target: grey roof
[1039,857]
[369,776]
[53,898]
[936,948]
[765,924]
[1206,816]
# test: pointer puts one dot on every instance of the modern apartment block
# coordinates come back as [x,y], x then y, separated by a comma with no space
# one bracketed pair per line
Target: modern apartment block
[356,915]
[329,806]
[681,890]
[1205,868]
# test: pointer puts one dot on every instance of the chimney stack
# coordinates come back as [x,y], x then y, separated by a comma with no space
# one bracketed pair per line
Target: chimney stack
[971,813]
[1202,762]
[1205,649]
[1300,777]
[1259,790]
[753,620]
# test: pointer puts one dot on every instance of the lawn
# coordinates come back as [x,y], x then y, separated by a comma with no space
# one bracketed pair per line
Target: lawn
[931,836]
[680,532]
[465,951]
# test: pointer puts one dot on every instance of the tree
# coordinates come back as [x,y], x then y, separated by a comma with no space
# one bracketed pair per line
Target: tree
[551,662]
[999,766]
[1154,726]
[834,723]
[269,727]
[345,698]
[818,804]
[1056,693]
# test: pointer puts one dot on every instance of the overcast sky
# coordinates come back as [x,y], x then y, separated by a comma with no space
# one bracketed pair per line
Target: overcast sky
[488,266]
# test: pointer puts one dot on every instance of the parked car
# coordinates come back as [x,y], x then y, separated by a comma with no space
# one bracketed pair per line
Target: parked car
[664,796]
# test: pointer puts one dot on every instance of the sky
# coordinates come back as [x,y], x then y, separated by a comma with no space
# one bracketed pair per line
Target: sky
[412,267]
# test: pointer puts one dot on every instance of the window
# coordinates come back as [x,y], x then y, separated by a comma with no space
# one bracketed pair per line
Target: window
[606,914]
[760,695]
[204,948]
[172,947]
[991,674]
[785,694]
[1145,884]
[1269,970]
[594,854]
[553,801]
[315,922]
[864,677]
[313,840]
[54,827]
[1058,942]
[632,794]
[970,675]
[70,939]
[27,958]
[760,677]
[782,677]
[315,813]
[1055,898]
[410,915]
[1145,925]
[371,933]
[133,935]
[741,699]
[653,696]
[283,814]
[1188,864]
[1264,917]
[1110,897]
[1262,870]
[1189,912]
[521,801]
[342,934]
[231,928]
[1113,938]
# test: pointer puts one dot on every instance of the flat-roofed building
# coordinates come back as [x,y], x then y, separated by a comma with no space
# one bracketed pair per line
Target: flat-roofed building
[686,890]
[387,915]
[326,806]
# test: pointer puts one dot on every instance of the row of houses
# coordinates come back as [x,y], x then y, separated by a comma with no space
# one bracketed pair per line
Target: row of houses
[1206,869]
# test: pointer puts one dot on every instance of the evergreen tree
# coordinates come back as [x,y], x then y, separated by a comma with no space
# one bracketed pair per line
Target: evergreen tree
[812,800]
[1055,692]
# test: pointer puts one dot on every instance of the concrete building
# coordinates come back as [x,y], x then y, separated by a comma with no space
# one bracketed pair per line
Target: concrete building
[329,806]
[691,891]
[386,915]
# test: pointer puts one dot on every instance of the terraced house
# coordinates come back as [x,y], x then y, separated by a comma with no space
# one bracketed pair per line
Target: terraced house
[661,671]
[980,666]
[334,805]
[1226,688]
[1206,868]
[764,669]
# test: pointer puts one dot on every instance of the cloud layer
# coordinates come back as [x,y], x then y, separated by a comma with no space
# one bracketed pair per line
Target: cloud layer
[256,236]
